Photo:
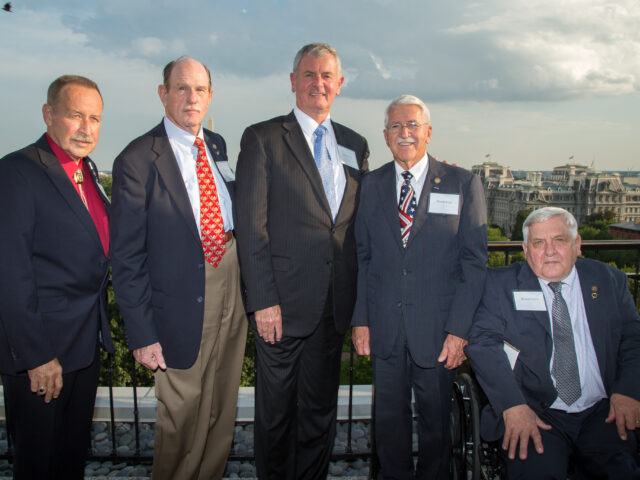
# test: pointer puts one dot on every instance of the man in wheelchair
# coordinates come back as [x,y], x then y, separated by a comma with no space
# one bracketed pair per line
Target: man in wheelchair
[555,344]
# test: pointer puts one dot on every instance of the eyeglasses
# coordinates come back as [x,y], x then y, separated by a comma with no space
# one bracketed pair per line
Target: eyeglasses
[412,126]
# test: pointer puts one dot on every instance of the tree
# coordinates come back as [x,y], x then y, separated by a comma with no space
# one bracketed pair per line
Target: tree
[516,231]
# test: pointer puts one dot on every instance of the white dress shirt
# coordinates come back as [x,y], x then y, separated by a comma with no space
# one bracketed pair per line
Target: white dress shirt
[590,378]
[308,126]
[419,172]
[186,153]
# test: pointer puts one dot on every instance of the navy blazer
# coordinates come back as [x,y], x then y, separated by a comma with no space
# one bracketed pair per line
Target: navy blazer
[290,248]
[613,322]
[54,271]
[434,284]
[156,251]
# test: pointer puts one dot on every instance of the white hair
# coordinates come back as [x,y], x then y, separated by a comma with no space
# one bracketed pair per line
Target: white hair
[407,100]
[547,213]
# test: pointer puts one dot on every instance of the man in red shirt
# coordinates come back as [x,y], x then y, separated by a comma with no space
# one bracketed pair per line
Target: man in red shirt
[54,242]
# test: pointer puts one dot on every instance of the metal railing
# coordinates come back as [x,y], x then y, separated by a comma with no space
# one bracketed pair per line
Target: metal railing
[509,248]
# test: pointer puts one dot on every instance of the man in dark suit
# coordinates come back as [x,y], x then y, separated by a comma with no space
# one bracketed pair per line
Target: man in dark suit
[176,276]
[298,179]
[421,235]
[54,244]
[555,345]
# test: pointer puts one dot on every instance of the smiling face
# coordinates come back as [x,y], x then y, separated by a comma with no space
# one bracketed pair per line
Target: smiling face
[407,145]
[316,83]
[74,121]
[187,97]
[550,251]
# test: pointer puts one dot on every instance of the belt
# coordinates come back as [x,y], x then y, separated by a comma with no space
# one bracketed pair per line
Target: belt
[228,235]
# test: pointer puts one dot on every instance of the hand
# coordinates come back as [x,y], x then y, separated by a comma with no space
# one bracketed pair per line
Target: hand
[453,351]
[625,411]
[521,424]
[150,356]
[46,380]
[269,323]
[360,339]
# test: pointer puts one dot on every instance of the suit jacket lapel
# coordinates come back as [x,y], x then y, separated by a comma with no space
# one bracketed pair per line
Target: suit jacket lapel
[59,178]
[434,171]
[527,281]
[168,169]
[294,138]
[351,185]
[595,313]
[389,200]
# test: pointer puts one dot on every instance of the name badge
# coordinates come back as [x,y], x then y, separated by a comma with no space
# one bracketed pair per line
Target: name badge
[512,353]
[529,301]
[348,157]
[225,170]
[445,203]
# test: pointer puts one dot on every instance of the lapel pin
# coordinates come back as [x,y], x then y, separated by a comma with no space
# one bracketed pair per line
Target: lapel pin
[437,180]
[215,147]
[594,292]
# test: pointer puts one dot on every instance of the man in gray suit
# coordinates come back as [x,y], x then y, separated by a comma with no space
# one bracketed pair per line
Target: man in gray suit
[297,184]
[421,235]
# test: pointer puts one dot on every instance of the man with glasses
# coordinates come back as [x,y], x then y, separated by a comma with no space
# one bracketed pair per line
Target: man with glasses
[421,239]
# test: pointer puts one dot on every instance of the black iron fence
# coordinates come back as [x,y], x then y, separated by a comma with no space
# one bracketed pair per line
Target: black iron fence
[510,250]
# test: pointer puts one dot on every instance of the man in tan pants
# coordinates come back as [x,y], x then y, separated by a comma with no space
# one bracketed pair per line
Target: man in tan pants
[176,276]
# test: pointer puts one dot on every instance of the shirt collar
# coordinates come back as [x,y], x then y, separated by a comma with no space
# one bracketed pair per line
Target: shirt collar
[180,136]
[308,124]
[569,280]
[418,170]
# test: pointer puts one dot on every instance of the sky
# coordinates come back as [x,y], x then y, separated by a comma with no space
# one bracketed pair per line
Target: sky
[525,83]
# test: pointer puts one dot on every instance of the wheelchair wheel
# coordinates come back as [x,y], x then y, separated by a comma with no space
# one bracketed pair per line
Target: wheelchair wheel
[457,426]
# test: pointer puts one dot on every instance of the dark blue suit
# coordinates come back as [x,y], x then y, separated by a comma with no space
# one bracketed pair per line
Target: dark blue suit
[52,304]
[613,323]
[411,298]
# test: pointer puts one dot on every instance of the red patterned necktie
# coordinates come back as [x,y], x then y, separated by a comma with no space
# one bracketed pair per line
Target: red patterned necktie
[211,225]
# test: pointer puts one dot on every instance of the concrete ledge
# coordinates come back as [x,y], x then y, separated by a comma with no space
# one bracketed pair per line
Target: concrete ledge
[123,404]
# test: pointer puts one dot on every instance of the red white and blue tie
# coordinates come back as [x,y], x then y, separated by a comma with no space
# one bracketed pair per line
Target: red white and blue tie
[406,207]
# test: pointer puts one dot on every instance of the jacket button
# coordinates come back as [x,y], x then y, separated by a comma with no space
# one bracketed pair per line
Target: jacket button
[399,304]
[404,272]
[200,299]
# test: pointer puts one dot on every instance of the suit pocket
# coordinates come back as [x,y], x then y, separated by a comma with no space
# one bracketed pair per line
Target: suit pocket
[52,304]
[281,264]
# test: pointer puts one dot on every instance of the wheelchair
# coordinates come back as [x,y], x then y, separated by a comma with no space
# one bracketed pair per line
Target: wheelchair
[471,457]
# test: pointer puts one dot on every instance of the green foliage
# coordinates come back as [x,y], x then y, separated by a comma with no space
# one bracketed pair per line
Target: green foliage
[122,361]
[496,259]
[607,216]
[248,378]
[516,232]
[106,181]
[362,372]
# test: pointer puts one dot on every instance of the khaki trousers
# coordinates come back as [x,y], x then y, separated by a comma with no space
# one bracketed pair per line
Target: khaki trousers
[197,406]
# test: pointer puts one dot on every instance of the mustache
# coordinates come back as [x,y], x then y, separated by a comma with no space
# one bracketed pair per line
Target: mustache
[81,137]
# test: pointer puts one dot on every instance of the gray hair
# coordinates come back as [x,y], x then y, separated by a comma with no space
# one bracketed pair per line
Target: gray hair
[407,100]
[316,50]
[547,213]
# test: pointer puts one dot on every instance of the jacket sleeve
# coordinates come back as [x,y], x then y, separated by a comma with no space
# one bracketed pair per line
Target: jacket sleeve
[473,259]
[131,279]
[20,318]
[251,208]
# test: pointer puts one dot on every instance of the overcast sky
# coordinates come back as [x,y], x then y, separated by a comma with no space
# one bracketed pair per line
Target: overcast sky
[531,83]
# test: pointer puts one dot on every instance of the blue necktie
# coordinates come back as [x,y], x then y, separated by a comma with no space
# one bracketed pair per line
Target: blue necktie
[323,161]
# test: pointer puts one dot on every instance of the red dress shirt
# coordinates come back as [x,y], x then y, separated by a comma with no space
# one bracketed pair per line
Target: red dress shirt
[95,205]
